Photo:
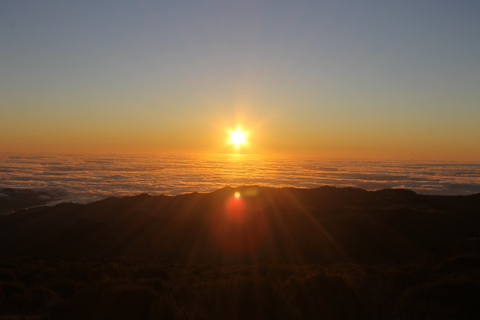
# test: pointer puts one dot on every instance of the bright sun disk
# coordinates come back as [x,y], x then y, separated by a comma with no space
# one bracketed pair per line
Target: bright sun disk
[238,137]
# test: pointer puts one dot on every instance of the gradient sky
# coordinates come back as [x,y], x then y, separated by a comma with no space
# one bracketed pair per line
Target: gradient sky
[333,78]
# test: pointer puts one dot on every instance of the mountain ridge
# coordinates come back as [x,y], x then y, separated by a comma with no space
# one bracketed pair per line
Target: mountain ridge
[319,225]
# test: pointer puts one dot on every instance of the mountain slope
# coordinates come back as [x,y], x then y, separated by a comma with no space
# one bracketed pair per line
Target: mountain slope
[264,224]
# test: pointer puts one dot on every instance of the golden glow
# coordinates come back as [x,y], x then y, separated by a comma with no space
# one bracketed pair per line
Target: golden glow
[237,137]
[237,194]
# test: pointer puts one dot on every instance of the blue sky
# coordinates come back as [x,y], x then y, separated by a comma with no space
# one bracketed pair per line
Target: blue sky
[363,77]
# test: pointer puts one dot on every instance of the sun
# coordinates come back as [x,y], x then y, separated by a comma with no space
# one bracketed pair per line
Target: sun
[237,137]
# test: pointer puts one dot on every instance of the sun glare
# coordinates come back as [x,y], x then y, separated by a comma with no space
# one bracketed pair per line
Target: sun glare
[237,137]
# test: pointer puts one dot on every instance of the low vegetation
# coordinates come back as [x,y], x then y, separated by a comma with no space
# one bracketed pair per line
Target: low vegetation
[322,253]
[102,287]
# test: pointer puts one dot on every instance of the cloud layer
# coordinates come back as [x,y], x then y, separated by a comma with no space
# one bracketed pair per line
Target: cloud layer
[87,178]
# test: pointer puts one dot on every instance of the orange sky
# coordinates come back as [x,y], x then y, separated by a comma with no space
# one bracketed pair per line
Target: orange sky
[328,79]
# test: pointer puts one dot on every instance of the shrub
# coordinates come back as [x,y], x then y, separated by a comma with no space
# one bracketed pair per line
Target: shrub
[64,287]
[126,302]
[42,299]
[461,263]
[152,272]
[443,299]
[36,275]
[6,275]
[16,297]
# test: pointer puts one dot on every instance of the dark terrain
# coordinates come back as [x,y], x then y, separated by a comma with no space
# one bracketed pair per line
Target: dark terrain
[16,199]
[284,253]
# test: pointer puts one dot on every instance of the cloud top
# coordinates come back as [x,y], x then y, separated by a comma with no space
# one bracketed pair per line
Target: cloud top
[87,178]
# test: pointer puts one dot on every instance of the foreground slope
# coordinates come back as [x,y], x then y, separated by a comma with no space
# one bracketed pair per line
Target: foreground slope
[261,225]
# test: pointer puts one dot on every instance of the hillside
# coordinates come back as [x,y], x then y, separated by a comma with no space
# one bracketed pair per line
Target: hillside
[321,225]
[324,253]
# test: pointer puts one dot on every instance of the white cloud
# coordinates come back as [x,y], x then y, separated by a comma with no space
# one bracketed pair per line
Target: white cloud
[88,178]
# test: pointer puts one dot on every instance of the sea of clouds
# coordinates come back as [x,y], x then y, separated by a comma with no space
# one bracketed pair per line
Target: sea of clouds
[85,178]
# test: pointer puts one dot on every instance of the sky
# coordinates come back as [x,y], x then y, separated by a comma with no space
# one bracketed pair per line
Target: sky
[329,78]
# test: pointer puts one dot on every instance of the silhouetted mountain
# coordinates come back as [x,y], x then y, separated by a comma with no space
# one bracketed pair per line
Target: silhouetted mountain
[16,199]
[264,224]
